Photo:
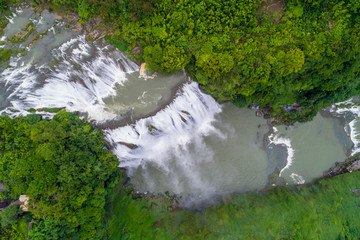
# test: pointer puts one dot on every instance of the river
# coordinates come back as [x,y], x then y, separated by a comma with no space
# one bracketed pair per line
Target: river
[168,134]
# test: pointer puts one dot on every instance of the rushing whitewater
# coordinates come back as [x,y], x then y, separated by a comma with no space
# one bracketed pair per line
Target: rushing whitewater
[173,138]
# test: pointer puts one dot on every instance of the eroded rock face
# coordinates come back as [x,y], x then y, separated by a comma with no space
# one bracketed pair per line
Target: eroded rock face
[143,74]
[25,201]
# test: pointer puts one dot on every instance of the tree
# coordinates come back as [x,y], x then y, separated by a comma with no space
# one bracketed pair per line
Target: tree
[61,164]
[9,216]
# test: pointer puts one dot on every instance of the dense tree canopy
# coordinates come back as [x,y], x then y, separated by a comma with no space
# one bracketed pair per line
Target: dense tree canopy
[240,51]
[61,164]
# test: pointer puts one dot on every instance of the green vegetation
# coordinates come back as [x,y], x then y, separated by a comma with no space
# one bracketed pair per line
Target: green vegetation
[237,51]
[22,36]
[61,164]
[9,216]
[328,209]
[5,54]
[152,128]
[3,5]
[122,46]
[137,218]
[50,110]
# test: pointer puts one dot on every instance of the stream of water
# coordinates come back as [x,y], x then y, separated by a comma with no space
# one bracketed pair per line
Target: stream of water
[177,139]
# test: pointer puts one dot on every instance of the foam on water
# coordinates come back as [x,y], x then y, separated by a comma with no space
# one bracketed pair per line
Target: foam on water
[279,139]
[297,178]
[17,21]
[13,15]
[354,135]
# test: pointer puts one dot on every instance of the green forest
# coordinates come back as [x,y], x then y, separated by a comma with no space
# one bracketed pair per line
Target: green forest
[271,53]
[62,166]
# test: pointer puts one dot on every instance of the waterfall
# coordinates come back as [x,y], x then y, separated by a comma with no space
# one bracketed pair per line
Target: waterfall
[170,143]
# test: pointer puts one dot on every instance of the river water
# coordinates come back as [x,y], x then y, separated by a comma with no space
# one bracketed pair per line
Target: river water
[167,133]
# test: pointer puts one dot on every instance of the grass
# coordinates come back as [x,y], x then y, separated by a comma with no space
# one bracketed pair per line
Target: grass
[21,227]
[5,54]
[121,45]
[152,128]
[327,209]
[50,110]
[139,223]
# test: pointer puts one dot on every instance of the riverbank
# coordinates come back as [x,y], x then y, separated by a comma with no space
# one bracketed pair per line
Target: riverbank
[348,166]
[328,209]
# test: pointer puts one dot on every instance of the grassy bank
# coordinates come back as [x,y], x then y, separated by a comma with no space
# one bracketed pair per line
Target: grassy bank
[328,209]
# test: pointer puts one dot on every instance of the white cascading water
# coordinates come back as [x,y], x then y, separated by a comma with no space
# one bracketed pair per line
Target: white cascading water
[79,81]
[352,128]
[278,139]
[172,141]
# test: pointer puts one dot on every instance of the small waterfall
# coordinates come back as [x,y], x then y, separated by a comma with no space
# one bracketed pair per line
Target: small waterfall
[278,139]
[80,82]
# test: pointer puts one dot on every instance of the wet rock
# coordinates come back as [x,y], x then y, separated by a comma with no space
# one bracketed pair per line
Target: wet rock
[183,119]
[185,112]
[152,128]
[129,145]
